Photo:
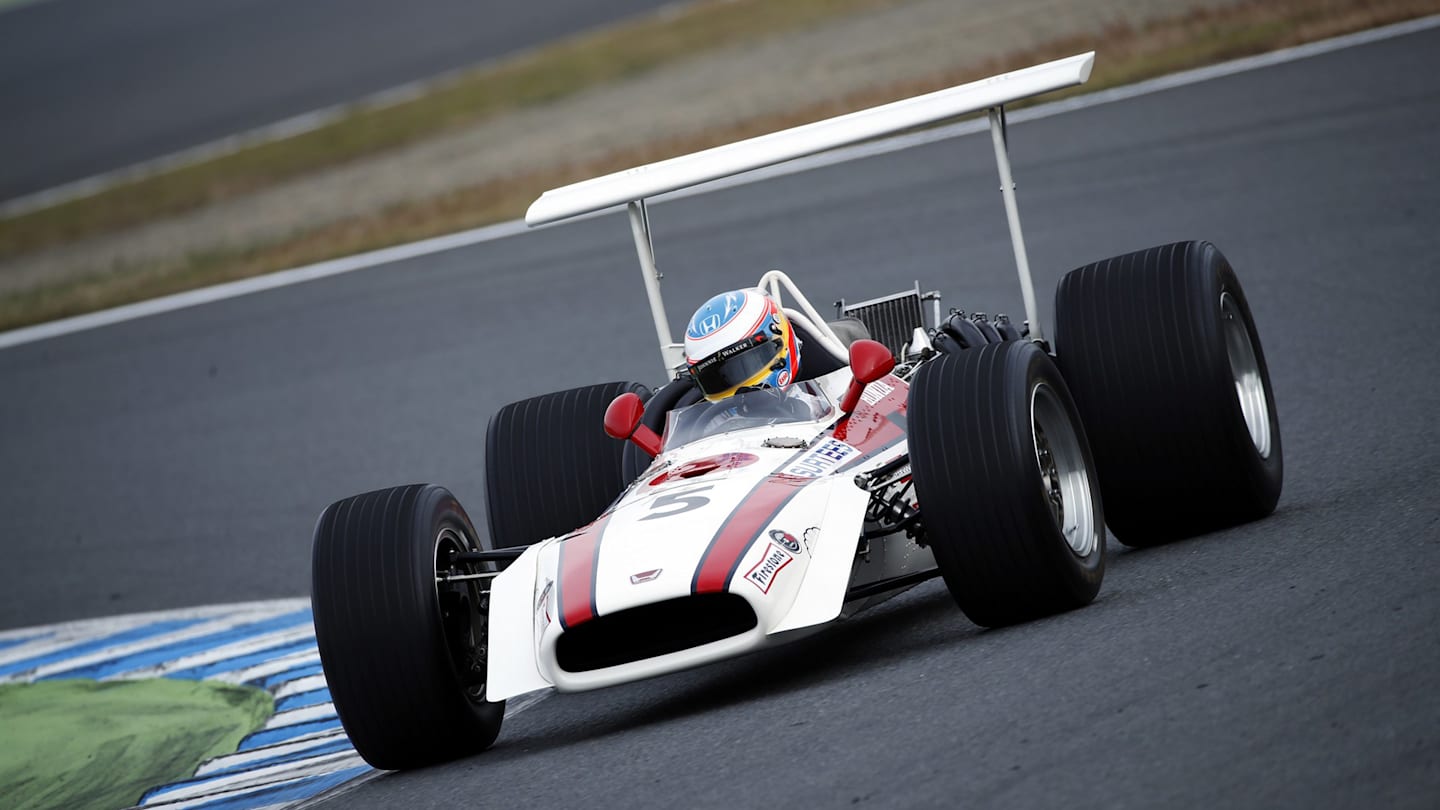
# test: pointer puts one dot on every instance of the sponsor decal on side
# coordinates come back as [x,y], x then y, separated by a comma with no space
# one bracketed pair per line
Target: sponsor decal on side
[876,391]
[764,573]
[739,532]
[822,460]
[784,538]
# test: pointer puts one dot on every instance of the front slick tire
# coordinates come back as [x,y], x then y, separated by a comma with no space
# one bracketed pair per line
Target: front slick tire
[404,656]
[1006,484]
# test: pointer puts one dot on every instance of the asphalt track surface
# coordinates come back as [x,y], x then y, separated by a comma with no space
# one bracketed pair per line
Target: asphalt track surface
[89,86]
[181,459]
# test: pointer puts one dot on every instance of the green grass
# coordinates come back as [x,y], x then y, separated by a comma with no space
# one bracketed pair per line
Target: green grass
[81,743]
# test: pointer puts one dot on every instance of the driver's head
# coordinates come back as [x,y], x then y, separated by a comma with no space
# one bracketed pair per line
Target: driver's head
[740,339]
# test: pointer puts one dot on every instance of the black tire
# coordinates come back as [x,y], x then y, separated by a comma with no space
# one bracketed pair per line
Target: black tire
[985,504]
[404,657]
[1151,343]
[550,468]
[678,393]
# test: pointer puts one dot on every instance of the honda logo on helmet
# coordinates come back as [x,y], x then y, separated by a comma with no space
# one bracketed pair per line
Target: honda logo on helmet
[709,324]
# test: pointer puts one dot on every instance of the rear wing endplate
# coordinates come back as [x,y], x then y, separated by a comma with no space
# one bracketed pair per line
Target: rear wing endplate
[633,186]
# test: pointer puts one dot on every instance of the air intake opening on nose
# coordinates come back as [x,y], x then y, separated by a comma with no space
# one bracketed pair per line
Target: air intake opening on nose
[653,630]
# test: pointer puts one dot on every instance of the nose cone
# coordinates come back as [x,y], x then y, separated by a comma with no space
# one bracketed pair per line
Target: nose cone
[709,533]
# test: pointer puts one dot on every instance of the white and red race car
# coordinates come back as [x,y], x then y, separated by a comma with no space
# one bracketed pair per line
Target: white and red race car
[635,533]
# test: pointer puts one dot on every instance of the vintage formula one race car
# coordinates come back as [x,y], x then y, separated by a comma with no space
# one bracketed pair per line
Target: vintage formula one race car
[634,533]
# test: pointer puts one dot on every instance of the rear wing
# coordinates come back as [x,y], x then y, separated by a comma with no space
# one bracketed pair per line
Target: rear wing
[633,187]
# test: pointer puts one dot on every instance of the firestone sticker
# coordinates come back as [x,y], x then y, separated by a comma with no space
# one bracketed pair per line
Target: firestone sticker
[764,573]
[824,459]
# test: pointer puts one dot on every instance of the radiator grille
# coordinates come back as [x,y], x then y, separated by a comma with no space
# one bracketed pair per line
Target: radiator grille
[891,320]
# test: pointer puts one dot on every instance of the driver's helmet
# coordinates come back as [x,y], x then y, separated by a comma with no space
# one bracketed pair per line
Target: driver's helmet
[740,339]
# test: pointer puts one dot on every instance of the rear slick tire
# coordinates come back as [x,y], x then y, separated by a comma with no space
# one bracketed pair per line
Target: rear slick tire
[1004,477]
[550,468]
[404,656]
[1162,354]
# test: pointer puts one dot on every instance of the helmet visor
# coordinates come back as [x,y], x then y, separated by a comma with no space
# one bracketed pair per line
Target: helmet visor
[728,369]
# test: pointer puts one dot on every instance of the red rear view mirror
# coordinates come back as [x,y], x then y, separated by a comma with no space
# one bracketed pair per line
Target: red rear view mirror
[622,421]
[869,361]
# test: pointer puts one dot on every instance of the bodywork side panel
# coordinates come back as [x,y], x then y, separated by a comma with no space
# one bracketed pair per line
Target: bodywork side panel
[515,618]
[831,546]
[776,524]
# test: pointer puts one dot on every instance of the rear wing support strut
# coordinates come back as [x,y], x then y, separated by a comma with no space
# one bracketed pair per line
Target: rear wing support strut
[633,187]
[1012,216]
[672,353]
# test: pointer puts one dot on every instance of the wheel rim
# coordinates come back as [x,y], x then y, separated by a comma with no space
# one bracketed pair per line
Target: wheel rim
[1245,369]
[1063,473]
[461,606]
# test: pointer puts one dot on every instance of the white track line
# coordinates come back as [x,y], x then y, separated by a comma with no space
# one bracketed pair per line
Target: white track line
[60,636]
[207,800]
[99,657]
[260,777]
[294,717]
[193,632]
[269,752]
[348,264]
[255,644]
[240,775]
[307,684]
[512,708]
[304,764]
[264,776]
[274,666]
[48,643]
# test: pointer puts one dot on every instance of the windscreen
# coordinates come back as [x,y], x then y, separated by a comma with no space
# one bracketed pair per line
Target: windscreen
[760,407]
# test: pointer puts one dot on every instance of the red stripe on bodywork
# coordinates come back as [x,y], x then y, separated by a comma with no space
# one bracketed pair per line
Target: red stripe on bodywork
[871,429]
[579,557]
[874,428]
[729,545]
